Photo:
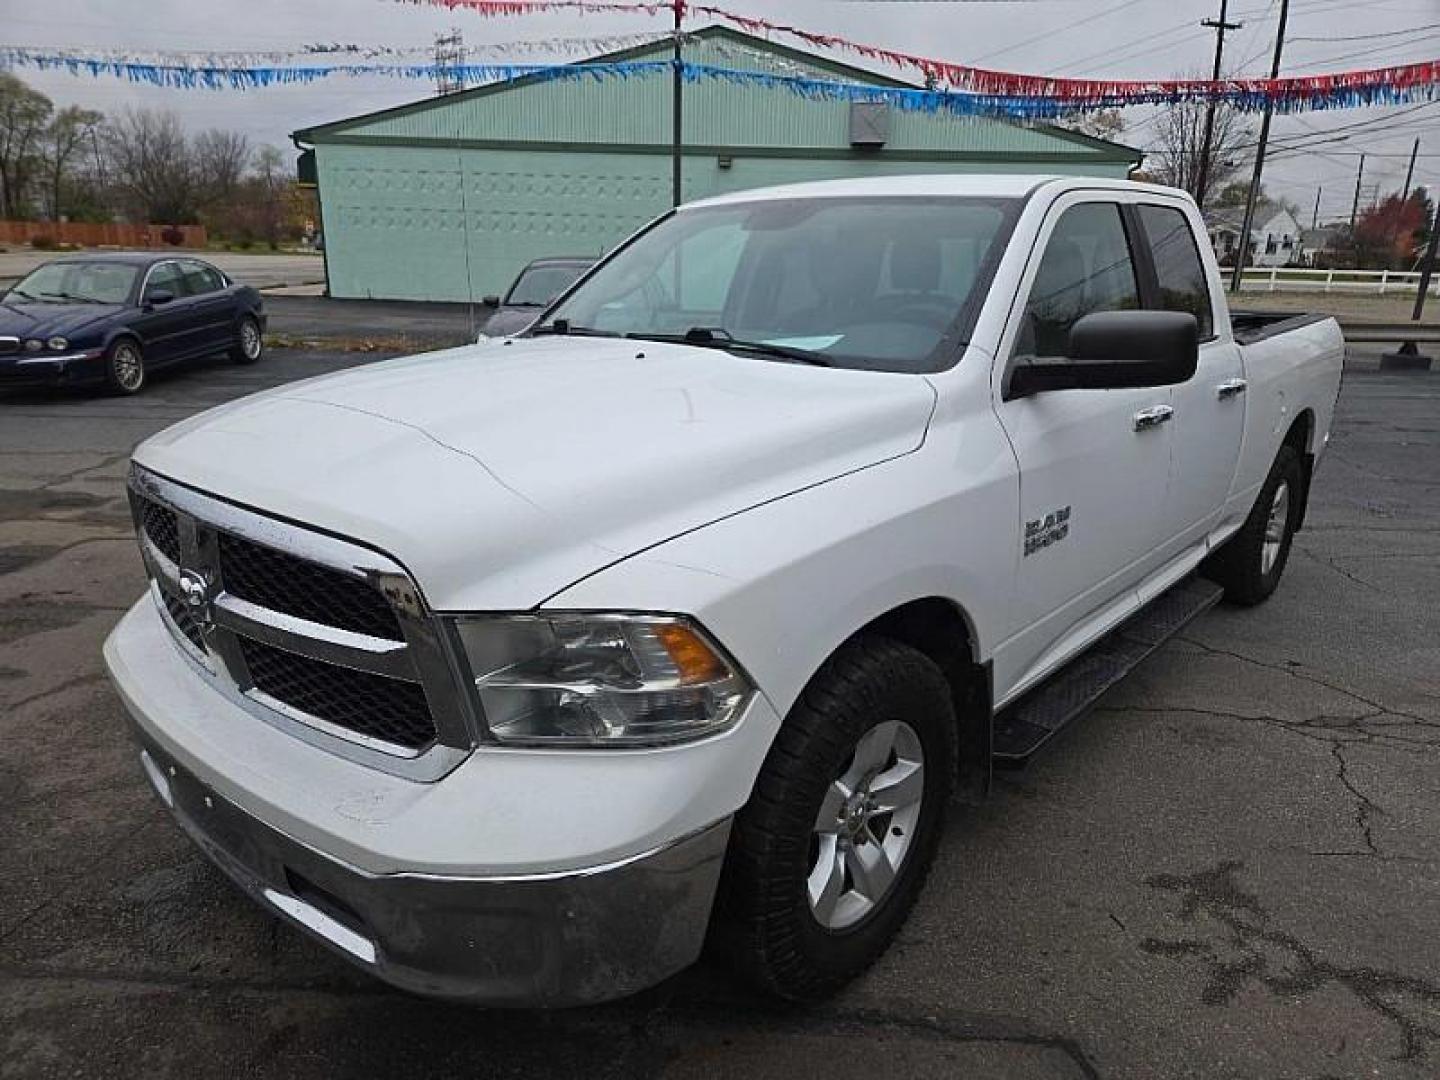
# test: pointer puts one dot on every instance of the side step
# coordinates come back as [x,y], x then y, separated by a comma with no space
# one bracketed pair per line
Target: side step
[1024,727]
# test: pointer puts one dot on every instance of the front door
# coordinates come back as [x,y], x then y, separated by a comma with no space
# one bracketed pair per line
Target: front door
[165,328]
[1094,464]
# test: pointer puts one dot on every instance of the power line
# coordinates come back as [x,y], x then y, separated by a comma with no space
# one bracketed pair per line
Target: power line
[1058,30]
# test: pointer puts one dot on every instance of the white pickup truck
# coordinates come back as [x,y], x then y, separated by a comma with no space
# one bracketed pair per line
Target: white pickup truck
[516,672]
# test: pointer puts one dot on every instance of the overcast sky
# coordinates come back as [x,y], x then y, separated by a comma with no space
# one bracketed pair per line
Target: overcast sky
[1100,38]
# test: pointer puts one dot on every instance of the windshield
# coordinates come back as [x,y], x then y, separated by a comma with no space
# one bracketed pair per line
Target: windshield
[538,285]
[888,284]
[87,282]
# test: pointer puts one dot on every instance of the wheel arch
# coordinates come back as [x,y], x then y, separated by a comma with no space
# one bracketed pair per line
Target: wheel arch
[1300,438]
[943,631]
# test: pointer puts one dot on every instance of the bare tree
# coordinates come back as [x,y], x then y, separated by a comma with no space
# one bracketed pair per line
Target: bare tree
[153,165]
[1181,134]
[65,141]
[23,115]
[220,160]
[1105,124]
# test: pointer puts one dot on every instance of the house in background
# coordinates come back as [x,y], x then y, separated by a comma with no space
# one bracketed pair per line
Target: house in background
[448,197]
[1328,246]
[1275,235]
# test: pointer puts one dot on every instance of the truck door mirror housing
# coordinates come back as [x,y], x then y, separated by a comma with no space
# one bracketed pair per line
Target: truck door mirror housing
[1110,350]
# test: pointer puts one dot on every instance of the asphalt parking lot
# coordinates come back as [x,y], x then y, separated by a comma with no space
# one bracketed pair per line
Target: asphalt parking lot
[1231,868]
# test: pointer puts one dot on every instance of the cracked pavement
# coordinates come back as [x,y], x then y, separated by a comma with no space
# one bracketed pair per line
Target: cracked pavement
[1230,868]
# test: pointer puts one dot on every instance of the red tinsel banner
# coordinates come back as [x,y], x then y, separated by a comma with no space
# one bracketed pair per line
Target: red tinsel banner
[1375,82]
[497,8]
[1376,86]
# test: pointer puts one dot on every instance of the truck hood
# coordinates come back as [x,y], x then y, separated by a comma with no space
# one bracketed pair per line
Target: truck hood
[501,473]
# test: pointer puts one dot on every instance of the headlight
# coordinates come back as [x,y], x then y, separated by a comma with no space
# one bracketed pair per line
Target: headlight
[34,345]
[59,344]
[600,680]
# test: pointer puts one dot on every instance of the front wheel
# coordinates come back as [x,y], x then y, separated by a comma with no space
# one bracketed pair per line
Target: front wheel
[249,344]
[124,367]
[830,853]
[1250,563]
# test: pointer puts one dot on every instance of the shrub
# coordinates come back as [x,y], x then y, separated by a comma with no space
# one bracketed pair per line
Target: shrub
[43,243]
[172,235]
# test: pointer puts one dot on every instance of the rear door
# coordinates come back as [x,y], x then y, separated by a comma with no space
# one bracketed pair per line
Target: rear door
[1094,464]
[213,304]
[1209,408]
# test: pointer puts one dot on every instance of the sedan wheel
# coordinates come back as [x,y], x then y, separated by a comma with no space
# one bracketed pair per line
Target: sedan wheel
[249,344]
[125,367]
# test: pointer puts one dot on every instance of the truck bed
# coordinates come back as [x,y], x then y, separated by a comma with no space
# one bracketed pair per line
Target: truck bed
[1250,327]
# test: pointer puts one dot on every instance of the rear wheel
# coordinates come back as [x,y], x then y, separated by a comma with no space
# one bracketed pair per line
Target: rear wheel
[831,851]
[249,344]
[1251,562]
[124,367]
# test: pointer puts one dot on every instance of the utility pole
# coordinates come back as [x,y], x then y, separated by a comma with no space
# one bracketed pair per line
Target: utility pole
[1355,206]
[1244,252]
[1410,172]
[1202,177]
[677,128]
[449,59]
[1428,267]
[1315,217]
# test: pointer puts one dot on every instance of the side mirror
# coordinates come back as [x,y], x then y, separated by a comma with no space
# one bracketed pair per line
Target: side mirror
[157,297]
[1111,350]
[490,301]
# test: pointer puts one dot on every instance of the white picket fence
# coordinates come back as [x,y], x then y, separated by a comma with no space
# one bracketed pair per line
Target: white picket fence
[1375,282]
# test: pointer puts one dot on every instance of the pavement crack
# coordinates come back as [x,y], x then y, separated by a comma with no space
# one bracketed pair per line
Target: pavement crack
[1294,673]
[1247,949]
[1364,807]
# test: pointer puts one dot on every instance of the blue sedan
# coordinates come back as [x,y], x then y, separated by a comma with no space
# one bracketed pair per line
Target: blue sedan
[110,320]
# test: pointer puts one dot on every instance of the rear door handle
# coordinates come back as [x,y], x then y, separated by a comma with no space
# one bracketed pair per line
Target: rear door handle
[1153,417]
[1230,388]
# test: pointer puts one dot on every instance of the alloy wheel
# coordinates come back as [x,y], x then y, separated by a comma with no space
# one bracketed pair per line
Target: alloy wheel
[866,825]
[1276,524]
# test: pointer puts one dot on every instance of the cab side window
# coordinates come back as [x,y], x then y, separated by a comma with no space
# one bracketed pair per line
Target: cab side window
[200,279]
[1086,268]
[1178,267]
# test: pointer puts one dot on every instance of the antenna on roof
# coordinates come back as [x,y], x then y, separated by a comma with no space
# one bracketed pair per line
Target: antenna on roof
[449,60]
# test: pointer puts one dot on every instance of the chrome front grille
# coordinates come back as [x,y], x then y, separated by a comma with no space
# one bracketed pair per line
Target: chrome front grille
[323,638]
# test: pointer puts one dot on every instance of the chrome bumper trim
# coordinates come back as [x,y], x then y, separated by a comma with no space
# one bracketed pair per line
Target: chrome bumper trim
[570,938]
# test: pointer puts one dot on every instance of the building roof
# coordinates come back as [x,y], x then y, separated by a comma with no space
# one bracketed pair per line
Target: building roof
[413,118]
[1233,217]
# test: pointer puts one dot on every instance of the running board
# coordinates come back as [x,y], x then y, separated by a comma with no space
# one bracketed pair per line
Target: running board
[1024,727]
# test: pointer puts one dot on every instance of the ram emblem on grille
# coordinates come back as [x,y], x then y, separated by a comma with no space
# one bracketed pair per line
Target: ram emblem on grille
[196,591]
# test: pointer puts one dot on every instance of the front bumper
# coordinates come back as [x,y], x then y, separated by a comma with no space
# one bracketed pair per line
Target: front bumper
[394,874]
[539,940]
[48,369]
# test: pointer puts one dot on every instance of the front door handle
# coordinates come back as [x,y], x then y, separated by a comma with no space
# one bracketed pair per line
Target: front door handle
[1153,417]
[1230,388]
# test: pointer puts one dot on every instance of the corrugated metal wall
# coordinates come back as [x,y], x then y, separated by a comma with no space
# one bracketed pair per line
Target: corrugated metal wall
[406,218]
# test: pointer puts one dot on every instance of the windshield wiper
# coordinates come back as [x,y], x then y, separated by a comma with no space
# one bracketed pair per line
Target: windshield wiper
[76,297]
[564,327]
[717,337]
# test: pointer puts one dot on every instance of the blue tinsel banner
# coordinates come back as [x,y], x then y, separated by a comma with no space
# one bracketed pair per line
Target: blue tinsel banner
[1329,93]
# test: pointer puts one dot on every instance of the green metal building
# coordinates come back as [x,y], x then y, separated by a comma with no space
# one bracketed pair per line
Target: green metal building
[447,198]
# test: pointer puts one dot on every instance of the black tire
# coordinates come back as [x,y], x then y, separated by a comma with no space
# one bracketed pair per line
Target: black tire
[124,366]
[766,926]
[1250,563]
[249,343]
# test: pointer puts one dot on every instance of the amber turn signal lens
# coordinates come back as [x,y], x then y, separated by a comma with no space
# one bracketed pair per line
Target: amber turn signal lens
[693,658]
